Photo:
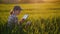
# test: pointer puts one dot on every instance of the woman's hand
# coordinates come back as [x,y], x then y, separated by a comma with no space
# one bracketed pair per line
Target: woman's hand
[22,21]
[28,24]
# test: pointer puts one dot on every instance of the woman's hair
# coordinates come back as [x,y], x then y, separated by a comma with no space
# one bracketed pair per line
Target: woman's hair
[16,8]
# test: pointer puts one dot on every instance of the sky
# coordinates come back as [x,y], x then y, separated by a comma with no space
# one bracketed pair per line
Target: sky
[28,1]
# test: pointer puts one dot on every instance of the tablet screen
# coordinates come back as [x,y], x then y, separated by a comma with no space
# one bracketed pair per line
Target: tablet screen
[25,16]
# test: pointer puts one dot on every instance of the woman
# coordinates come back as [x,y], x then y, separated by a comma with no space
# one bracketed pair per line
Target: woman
[13,20]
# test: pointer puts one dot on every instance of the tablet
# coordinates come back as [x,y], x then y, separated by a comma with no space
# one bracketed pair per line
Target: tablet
[25,16]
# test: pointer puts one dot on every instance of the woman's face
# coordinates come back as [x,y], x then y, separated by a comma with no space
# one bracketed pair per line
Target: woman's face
[17,12]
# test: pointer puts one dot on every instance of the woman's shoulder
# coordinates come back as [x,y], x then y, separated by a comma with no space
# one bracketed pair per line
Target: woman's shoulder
[11,17]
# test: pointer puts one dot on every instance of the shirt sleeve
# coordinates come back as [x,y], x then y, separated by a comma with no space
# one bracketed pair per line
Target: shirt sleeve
[12,20]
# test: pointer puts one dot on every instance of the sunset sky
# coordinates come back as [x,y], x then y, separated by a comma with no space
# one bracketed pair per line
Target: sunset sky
[28,1]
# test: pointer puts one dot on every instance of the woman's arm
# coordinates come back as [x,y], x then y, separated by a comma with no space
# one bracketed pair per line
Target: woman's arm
[21,21]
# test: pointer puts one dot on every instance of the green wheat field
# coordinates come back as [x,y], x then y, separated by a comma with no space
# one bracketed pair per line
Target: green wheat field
[44,17]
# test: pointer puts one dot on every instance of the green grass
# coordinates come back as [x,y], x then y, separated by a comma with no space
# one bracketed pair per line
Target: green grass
[45,18]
